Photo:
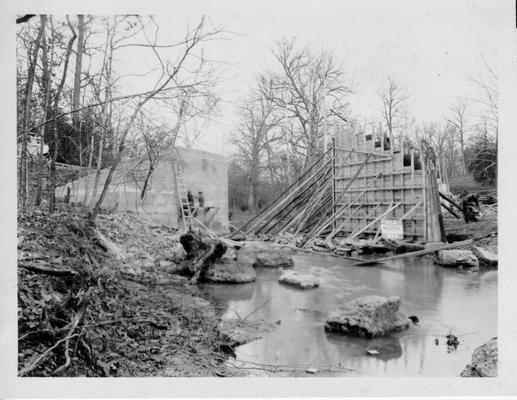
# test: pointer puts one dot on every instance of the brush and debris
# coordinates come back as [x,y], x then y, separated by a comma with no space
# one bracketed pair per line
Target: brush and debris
[92,301]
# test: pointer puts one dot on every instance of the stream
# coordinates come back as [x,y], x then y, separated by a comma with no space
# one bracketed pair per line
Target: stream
[444,300]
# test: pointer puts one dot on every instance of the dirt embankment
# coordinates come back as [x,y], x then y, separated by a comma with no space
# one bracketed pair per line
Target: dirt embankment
[485,228]
[83,311]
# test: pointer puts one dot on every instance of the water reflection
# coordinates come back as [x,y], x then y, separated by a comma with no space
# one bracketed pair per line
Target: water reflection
[443,300]
[388,347]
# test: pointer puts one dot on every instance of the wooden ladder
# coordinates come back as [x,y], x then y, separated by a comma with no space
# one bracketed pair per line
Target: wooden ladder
[186,212]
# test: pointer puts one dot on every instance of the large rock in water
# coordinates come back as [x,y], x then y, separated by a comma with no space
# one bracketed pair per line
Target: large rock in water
[301,281]
[484,361]
[368,317]
[261,254]
[457,258]
[485,256]
[230,272]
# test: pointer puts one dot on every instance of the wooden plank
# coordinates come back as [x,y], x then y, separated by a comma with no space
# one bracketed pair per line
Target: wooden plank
[309,206]
[322,226]
[447,198]
[292,186]
[350,217]
[450,210]
[288,198]
[303,197]
[437,211]
[355,150]
[411,211]
[418,252]
[353,235]
[387,188]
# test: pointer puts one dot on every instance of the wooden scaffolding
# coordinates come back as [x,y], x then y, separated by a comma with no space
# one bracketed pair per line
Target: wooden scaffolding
[356,186]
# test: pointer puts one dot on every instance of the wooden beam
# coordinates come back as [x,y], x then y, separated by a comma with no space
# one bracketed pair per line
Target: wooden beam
[292,205]
[293,185]
[418,252]
[287,198]
[336,230]
[307,200]
[349,218]
[320,228]
[412,210]
[383,155]
[450,210]
[447,198]
[353,235]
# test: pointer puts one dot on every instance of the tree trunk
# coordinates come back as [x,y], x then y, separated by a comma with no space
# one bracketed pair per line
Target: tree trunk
[87,177]
[78,67]
[23,171]
[55,150]
[45,83]
[251,194]
[98,171]
[106,119]
[462,145]
[252,183]
[132,120]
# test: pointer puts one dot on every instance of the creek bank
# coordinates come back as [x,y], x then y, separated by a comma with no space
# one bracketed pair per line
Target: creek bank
[120,317]
[484,361]
[368,317]
[237,332]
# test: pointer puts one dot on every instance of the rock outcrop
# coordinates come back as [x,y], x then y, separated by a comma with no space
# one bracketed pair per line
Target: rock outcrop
[230,272]
[298,280]
[484,361]
[485,256]
[369,317]
[462,259]
[261,254]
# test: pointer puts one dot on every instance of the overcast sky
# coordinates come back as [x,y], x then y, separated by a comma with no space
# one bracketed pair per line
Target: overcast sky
[429,47]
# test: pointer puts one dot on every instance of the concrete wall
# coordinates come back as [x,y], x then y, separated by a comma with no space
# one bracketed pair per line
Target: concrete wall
[202,171]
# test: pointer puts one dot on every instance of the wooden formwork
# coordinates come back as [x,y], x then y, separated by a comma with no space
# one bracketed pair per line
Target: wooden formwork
[350,190]
[375,179]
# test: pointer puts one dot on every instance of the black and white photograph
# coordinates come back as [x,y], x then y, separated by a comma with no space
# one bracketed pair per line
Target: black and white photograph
[258,189]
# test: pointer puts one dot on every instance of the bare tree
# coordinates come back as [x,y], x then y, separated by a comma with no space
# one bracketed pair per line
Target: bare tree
[23,171]
[310,89]
[487,84]
[457,118]
[168,81]
[393,107]
[255,135]
[55,143]
[76,96]
[437,142]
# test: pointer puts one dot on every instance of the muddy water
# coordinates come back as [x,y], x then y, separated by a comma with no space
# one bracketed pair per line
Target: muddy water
[444,301]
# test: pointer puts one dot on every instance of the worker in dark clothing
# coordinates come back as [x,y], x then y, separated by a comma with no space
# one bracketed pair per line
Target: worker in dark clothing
[190,200]
[201,199]
[470,207]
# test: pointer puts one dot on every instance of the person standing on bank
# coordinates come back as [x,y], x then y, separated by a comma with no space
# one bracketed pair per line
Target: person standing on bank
[190,200]
[201,202]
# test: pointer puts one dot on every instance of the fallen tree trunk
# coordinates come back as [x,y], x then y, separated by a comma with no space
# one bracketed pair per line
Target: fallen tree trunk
[111,247]
[45,269]
[201,252]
